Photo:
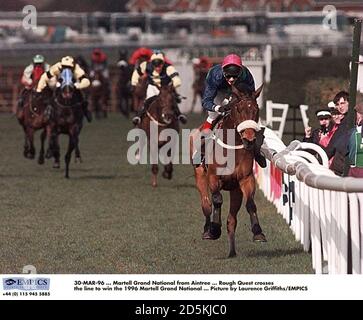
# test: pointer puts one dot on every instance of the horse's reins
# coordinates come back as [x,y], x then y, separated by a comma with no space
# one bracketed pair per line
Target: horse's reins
[63,106]
[32,109]
[155,121]
[242,126]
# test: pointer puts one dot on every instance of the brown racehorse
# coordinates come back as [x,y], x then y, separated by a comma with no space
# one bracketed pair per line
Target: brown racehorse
[161,114]
[67,118]
[99,93]
[242,119]
[31,118]
[124,94]
[139,93]
[198,86]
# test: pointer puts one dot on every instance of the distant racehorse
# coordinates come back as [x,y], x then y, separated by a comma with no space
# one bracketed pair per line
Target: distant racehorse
[31,118]
[161,114]
[240,182]
[198,86]
[68,117]
[124,94]
[99,93]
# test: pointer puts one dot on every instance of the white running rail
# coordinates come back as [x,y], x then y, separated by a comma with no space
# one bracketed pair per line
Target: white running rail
[324,211]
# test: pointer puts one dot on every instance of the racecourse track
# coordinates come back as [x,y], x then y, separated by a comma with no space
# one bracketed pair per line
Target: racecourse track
[107,218]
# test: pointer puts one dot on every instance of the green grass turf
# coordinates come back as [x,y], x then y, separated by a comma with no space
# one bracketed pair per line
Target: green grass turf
[107,218]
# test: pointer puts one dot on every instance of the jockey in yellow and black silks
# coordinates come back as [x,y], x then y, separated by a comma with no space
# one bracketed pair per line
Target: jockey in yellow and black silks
[82,82]
[158,73]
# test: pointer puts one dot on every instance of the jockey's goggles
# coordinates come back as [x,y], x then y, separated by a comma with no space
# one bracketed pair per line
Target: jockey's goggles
[229,76]
[157,62]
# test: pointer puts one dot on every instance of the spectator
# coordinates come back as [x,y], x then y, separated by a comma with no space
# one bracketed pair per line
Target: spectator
[335,149]
[355,145]
[322,135]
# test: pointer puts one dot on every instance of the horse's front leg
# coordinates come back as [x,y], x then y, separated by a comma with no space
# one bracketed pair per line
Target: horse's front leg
[217,201]
[235,205]
[73,142]
[43,135]
[154,179]
[30,134]
[202,186]
[248,187]
[168,171]
[26,142]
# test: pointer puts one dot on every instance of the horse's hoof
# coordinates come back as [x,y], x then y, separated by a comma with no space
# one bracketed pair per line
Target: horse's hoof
[232,254]
[78,160]
[154,184]
[166,175]
[41,161]
[56,165]
[48,154]
[31,156]
[213,233]
[259,238]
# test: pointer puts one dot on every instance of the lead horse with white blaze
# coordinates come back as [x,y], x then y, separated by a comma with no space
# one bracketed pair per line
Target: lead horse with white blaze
[68,117]
[243,118]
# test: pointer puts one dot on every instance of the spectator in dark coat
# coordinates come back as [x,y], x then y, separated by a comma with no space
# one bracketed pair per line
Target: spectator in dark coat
[337,145]
[355,145]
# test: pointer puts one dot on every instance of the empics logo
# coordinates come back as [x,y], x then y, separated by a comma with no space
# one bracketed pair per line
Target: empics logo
[26,283]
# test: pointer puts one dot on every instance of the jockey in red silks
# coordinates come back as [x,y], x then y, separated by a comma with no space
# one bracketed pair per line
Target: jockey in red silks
[219,80]
[31,76]
[202,64]
[140,55]
[99,62]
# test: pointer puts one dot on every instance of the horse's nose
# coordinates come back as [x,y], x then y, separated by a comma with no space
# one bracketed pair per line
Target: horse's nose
[248,144]
[248,135]
[167,117]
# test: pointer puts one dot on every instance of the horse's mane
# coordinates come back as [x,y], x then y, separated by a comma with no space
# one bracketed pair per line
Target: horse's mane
[244,89]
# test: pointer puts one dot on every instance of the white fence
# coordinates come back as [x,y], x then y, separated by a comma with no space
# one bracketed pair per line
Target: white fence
[324,211]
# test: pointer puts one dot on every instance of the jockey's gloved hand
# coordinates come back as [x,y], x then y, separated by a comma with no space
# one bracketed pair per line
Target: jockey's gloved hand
[221,109]
[76,85]
[37,95]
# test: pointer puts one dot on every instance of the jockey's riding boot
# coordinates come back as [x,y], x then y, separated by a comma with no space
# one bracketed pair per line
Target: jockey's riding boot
[181,117]
[140,113]
[86,112]
[198,157]
[260,159]
[137,119]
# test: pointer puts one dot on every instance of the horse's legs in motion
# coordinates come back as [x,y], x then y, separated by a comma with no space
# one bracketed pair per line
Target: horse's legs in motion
[73,142]
[168,171]
[217,201]
[104,107]
[154,170]
[248,186]
[235,205]
[30,134]
[54,149]
[43,135]
[26,142]
[202,186]
[78,158]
